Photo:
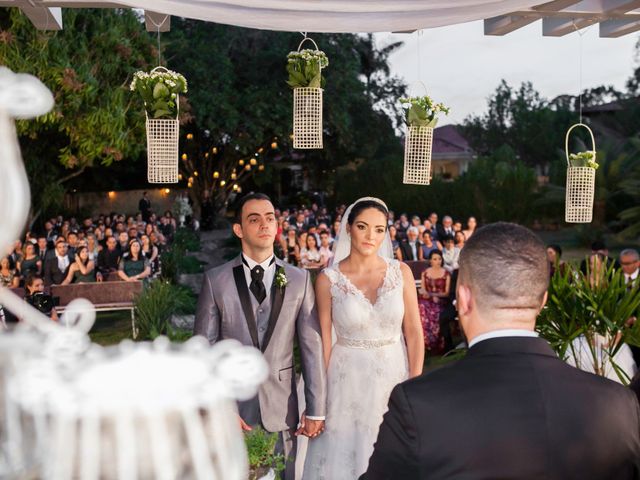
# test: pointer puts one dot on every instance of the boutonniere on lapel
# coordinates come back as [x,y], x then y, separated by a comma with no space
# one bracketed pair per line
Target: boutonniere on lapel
[281,278]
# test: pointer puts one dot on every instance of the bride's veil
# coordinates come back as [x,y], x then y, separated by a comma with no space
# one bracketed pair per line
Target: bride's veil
[342,244]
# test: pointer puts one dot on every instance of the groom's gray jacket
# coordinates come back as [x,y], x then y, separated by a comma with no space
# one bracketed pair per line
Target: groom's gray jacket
[227,309]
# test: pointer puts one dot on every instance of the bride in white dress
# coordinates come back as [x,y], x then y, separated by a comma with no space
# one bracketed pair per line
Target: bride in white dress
[370,300]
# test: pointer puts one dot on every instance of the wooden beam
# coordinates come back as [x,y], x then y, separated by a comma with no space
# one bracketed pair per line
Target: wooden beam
[155,21]
[506,24]
[43,18]
[559,27]
[618,28]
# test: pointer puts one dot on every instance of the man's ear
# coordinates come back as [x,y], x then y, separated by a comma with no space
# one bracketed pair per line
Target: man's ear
[237,230]
[544,300]
[463,299]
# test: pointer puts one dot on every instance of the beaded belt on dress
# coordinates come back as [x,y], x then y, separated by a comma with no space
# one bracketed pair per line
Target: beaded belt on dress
[353,343]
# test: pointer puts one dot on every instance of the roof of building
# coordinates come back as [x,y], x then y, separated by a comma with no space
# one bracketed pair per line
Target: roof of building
[449,139]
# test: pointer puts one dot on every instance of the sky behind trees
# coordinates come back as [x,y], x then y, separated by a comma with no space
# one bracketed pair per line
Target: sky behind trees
[462,67]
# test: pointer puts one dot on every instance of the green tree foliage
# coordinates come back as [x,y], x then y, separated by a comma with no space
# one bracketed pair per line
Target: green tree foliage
[241,104]
[496,187]
[532,126]
[88,66]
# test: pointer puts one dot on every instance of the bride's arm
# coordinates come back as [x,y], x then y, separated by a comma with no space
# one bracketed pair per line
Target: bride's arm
[411,326]
[323,303]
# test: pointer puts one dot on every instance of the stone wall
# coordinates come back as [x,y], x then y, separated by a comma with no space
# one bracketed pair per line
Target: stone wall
[125,202]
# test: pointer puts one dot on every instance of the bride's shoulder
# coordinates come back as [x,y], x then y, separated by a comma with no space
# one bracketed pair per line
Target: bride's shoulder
[401,269]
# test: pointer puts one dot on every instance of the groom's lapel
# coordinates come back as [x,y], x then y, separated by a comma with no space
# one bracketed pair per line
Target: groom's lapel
[277,297]
[245,301]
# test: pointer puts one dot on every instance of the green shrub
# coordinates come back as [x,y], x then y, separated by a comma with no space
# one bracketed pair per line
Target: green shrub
[260,449]
[598,306]
[186,239]
[156,304]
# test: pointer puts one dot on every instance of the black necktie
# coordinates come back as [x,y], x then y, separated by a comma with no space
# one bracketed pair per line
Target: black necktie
[257,285]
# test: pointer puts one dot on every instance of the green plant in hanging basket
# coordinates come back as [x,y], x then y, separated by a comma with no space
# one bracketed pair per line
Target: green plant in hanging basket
[422,111]
[260,449]
[583,159]
[159,90]
[305,68]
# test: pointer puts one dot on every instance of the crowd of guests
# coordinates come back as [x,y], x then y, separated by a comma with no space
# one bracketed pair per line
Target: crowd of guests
[306,235]
[110,247]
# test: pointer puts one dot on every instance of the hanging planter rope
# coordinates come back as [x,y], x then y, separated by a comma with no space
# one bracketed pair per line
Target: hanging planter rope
[581,181]
[160,90]
[307,95]
[421,120]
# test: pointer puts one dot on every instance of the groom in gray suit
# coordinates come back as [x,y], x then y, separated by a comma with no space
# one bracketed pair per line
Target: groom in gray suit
[259,300]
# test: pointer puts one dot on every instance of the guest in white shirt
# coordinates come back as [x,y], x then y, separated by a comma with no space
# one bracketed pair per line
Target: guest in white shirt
[630,264]
[325,247]
[450,255]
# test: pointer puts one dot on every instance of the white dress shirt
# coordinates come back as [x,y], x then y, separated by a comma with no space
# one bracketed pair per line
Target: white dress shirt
[63,262]
[632,277]
[507,332]
[268,267]
[269,274]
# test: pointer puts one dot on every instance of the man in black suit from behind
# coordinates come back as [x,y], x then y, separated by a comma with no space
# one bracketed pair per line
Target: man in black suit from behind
[511,409]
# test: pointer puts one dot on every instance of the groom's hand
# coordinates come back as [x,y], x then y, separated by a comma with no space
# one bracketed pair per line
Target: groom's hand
[310,428]
[313,428]
[243,425]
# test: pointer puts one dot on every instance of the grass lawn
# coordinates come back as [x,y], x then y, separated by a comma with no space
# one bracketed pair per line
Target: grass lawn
[111,328]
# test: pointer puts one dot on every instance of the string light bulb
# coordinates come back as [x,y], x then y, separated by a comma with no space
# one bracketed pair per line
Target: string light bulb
[216,174]
[241,162]
[222,183]
[274,145]
[189,136]
[261,168]
[247,168]
[253,161]
[184,156]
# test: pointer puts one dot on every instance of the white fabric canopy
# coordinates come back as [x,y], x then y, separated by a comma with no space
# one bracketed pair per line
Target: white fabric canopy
[334,15]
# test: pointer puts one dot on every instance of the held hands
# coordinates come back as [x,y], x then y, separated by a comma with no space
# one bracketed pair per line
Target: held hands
[310,428]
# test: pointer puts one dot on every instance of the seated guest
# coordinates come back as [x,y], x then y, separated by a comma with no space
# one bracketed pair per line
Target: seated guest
[56,268]
[471,227]
[133,265]
[16,255]
[82,269]
[435,283]
[310,256]
[427,245]
[30,263]
[8,277]
[630,264]
[151,253]
[35,296]
[395,244]
[292,250]
[599,256]
[446,229]
[123,242]
[325,248]
[109,258]
[554,252]
[459,240]
[410,248]
[42,250]
[450,254]
[510,409]
[72,241]
[94,247]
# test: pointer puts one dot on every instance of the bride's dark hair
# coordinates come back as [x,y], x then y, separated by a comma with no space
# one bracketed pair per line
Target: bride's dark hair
[364,205]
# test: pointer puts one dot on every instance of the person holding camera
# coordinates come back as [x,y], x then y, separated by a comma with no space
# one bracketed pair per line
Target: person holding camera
[37,298]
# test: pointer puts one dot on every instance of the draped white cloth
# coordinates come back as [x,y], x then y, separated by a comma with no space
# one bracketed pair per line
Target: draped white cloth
[333,15]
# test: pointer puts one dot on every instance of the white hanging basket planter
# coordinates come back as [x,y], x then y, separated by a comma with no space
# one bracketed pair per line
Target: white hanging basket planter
[162,150]
[307,117]
[417,155]
[580,188]
[307,113]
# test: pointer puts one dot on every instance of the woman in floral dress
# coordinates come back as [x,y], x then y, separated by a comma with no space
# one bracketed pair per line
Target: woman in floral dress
[434,291]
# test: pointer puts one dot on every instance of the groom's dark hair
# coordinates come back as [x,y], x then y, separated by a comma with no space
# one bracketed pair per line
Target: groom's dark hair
[506,265]
[245,199]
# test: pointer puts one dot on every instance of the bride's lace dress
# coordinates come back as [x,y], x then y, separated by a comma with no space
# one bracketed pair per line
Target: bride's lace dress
[367,361]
